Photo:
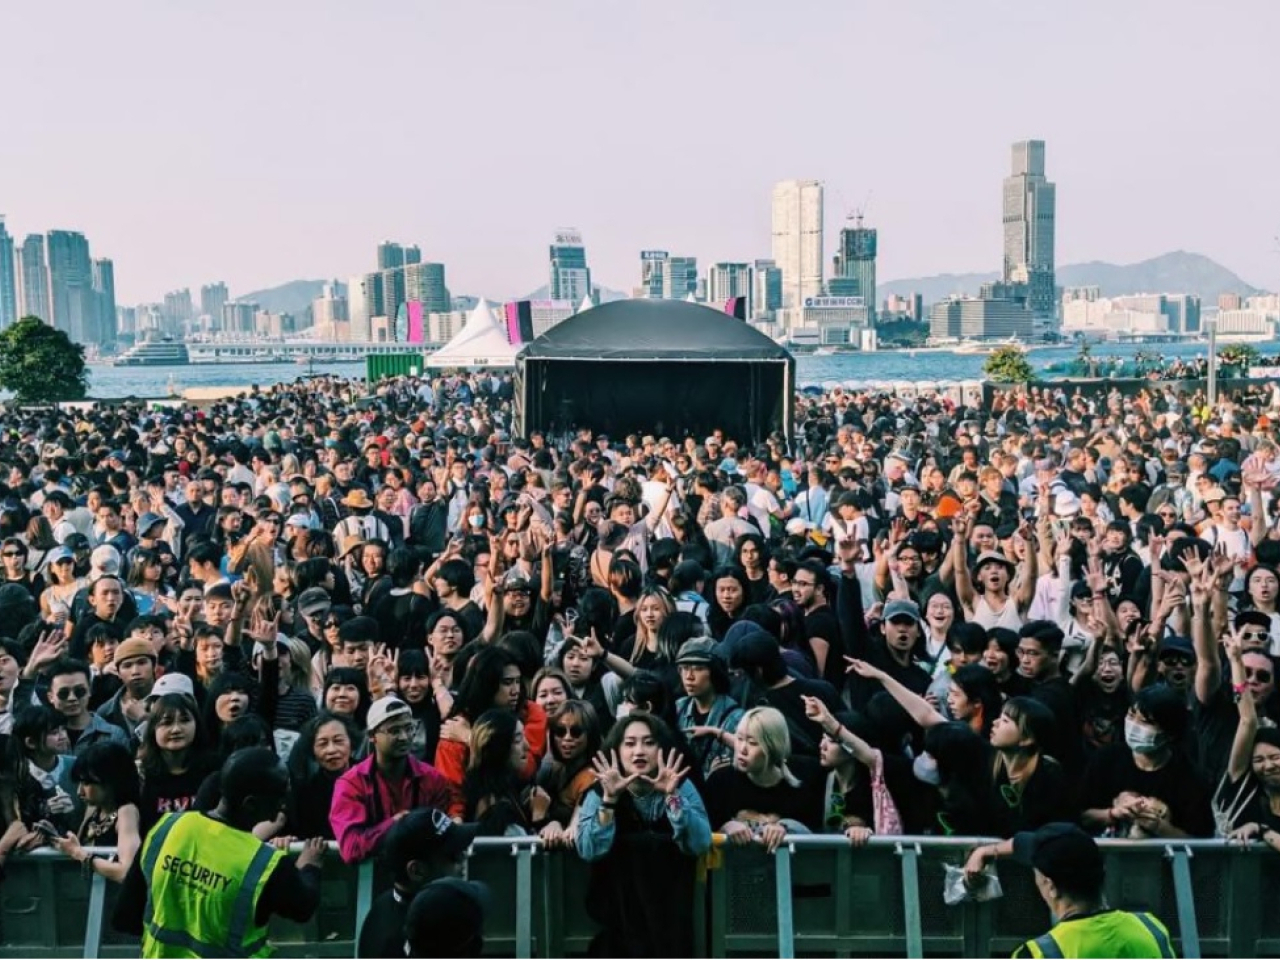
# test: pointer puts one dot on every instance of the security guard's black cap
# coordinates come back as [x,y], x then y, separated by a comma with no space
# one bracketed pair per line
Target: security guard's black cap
[1064,853]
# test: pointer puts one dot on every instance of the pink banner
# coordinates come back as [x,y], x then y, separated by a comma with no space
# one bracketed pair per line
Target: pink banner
[416,331]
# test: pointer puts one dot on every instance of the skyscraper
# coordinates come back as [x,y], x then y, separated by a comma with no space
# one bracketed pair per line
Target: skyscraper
[766,289]
[424,283]
[390,255]
[1030,203]
[680,278]
[797,240]
[854,266]
[35,279]
[74,308]
[651,263]
[8,279]
[392,291]
[178,310]
[412,255]
[364,302]
[570,276]
[728,280]
[212,297]
[104,294]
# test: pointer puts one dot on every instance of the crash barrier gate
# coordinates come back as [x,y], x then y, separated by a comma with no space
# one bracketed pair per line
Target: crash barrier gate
[817,895]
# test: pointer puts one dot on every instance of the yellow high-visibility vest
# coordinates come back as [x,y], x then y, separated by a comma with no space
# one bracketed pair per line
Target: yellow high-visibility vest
[204,879]
[1111,933]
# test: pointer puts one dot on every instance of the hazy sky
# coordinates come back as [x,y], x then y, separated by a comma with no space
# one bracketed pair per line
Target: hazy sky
[260,142]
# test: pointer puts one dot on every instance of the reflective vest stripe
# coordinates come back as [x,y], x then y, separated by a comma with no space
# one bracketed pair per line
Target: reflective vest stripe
[1048,947]
[151,853]
[242,913]
[1161,938]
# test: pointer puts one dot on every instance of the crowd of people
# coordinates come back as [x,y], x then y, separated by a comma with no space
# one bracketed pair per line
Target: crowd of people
[913,616]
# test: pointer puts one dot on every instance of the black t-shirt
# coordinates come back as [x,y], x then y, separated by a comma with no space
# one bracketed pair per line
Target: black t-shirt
[173,793]
[1112,772]
[732,796]
[805,733]
[382,933]
[822,624]
[1048,796]
[1065,746]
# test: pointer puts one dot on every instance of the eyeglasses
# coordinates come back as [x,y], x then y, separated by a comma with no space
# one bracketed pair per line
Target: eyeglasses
[72,693]
[804,583]
[573,730]
[12,553]
[1262,676]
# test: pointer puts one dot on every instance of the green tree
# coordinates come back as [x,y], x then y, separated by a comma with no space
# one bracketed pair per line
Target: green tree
[1008,365]
[41,364]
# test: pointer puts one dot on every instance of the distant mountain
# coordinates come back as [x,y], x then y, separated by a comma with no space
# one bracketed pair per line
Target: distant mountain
[1177,272]
[293,297]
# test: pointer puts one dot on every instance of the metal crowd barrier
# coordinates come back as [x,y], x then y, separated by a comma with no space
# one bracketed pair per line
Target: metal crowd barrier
[818,895]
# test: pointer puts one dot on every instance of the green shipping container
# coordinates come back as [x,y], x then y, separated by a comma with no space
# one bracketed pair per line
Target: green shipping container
[380,365]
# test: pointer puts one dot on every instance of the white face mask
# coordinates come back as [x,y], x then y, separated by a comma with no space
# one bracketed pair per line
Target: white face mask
[925,769]
[1142,738]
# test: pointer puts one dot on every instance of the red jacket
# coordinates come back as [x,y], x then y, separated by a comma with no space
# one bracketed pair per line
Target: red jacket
[364,803]
[451,755]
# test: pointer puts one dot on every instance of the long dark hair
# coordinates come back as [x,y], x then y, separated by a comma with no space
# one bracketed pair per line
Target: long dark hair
[489,774]
[111,765]
[152,755]
[481,682]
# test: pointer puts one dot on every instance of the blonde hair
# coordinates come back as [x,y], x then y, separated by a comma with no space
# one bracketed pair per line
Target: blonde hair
[643,636]
[768,727]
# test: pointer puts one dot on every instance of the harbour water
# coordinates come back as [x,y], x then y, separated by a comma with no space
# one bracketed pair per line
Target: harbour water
[113,382]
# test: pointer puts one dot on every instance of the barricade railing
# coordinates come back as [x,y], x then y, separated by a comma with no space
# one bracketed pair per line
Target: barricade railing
[815,895]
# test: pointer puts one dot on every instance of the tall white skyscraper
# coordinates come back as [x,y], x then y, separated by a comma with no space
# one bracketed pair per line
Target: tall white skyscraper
[797,240]
[35,279]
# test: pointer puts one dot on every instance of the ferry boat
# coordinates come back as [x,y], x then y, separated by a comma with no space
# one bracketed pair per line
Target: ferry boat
[154,353]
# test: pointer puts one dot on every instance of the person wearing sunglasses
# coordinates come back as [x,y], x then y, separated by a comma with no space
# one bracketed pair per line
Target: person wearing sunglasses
[575,737]
[69,694]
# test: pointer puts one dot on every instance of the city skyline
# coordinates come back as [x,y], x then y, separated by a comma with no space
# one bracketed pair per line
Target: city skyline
[195,206]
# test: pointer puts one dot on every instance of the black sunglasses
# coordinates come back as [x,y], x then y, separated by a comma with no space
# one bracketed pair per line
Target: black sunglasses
[72,693]
[570,731]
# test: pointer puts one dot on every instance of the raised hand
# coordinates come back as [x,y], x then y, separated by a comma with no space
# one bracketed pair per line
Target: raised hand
[609,775]
[863,669]
[671,770]
[818,712]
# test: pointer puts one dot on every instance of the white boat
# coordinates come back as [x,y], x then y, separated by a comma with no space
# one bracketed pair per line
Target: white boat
[825,352]
[154,353]
[988,346]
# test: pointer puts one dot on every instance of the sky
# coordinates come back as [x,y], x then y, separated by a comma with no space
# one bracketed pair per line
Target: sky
[258,143]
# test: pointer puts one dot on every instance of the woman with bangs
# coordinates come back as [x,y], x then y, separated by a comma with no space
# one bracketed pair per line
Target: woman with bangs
[566,774]
[550,688]
[1030,788]
[1246,805]
[324,751]
[415,686]
[146,582]
[766,793]
[173,760]
[106,779]
[642,828]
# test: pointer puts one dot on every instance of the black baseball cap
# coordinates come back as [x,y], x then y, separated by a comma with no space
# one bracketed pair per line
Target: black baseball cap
[446,919]
[1064,853]
[424,834]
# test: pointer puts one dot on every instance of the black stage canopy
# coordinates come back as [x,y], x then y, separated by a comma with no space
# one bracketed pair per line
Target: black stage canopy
[655,366]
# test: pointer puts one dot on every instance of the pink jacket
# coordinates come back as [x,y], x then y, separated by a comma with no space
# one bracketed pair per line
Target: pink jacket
[364,804]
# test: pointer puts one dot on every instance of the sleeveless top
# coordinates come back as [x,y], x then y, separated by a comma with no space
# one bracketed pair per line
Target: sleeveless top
[986,617]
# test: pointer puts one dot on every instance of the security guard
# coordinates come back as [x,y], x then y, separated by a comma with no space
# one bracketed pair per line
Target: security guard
[205,886]
[1069,875]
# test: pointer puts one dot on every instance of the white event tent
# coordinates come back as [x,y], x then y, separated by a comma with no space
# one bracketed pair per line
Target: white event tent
[480,343]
